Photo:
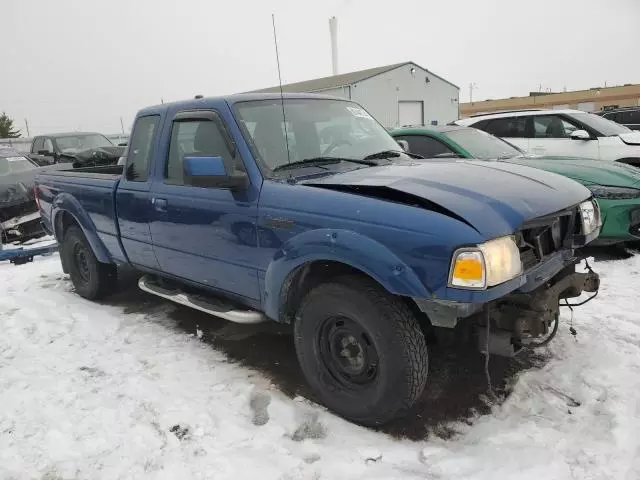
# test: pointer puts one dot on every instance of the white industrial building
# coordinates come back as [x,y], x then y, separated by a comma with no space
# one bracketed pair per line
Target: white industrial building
[396,95]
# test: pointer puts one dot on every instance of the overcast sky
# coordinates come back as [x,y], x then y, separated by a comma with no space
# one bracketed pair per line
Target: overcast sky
[83,64]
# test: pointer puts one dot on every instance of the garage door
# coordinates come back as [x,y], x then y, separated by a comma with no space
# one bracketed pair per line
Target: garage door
[410,113]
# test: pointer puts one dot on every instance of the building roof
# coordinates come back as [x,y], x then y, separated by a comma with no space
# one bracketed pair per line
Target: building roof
[344,79]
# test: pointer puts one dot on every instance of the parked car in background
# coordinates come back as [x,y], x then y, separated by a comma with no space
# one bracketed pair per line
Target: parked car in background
[627,116]
[361,247]
[616,186]
[81,149]
[562,132]
[19,217]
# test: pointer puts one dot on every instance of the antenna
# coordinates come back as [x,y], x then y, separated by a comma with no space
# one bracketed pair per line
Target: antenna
[284,116]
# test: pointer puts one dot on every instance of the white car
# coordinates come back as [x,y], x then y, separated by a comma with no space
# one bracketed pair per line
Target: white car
[562,133]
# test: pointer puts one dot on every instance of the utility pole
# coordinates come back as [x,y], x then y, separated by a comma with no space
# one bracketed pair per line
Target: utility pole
[27,125]
[471,87]
[122,125]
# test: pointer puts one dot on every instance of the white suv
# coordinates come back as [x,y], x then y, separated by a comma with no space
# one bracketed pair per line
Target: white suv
[562,133]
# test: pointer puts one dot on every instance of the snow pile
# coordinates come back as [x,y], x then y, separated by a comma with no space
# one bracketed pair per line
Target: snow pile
[87,391]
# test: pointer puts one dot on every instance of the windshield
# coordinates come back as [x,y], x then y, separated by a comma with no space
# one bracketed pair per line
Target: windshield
[315,128]
[9,165]
[603,127]
[481,144]
[76,143]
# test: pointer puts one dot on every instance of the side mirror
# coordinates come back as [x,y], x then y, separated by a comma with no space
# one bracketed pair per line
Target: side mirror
[212,172]
[45,153]
[580,135]
[404,144]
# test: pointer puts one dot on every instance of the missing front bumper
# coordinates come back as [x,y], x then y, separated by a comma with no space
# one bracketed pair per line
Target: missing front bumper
[520,318]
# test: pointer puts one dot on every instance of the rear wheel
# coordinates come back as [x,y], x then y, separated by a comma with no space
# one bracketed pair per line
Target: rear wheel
[361,349]
[92,280]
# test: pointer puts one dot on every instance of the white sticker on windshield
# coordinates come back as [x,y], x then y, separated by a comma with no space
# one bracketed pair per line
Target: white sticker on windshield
[359,112]
[15,159]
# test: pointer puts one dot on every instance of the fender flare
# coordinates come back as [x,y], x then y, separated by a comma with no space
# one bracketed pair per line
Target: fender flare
[66,203]
[343,246]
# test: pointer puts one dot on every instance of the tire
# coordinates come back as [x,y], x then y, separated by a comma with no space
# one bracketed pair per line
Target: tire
[92,280]
[375,379]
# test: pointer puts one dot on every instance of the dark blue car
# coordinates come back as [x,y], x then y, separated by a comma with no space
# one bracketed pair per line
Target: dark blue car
[304,210]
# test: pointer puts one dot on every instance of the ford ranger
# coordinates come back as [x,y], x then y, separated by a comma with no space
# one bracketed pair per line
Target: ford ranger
[302,209]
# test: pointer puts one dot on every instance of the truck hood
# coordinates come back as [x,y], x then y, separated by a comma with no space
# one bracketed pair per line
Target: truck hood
[585,171]
[495,198]
[92,157]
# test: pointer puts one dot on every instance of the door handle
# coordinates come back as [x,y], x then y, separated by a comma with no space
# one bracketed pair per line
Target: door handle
[160,204]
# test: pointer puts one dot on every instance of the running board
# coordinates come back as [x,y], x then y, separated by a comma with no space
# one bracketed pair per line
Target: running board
[211,306]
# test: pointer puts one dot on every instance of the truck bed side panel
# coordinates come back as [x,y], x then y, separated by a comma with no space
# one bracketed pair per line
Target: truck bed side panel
[89,198]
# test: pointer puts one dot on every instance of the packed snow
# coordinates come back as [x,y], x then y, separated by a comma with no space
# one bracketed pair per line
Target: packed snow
[91,391]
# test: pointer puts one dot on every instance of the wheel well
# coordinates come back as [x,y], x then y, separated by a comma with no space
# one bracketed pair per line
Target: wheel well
[63,221]
[309,275]
[634,161]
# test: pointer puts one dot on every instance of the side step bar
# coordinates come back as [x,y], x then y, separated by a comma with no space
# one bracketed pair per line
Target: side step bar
[211,306]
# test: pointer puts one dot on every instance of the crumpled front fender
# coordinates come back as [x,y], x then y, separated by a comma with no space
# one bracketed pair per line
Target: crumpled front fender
[343,246]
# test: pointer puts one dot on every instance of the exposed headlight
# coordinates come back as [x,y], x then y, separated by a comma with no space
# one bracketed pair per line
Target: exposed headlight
[590,215]
[486,265]
[614,193]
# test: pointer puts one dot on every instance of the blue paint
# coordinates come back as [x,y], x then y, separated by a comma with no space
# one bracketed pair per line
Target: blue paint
[204,166]
[247,242]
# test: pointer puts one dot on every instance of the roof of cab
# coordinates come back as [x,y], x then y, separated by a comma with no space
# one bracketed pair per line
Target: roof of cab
[232,99]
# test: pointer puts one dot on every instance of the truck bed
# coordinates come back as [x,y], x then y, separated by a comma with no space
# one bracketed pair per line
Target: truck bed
[88,194]
[111,172]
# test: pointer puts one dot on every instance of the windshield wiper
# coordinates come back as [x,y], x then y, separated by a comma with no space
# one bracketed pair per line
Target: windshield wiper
[383,154]
[391,154]
[320,161]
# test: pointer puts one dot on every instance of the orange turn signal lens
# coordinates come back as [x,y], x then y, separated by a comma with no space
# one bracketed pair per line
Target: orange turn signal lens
[468,270]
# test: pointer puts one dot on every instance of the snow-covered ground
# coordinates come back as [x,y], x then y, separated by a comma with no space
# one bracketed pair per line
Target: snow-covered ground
[88,391]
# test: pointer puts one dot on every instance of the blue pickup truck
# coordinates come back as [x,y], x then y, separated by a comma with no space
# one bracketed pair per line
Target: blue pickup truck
[302,209]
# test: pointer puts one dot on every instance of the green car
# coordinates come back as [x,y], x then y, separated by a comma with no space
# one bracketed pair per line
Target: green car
[615,185]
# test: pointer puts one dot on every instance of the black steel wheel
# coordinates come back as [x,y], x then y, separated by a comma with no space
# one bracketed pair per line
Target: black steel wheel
[361,350]
[91,279]
[347,352]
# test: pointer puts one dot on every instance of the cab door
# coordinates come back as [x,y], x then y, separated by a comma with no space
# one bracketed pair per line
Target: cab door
[206,235]
[551,137]
[133,196]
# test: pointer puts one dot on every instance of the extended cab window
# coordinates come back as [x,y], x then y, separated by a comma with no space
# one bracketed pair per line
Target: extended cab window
[514,127]
[196,138]
[141,148]
[427,147]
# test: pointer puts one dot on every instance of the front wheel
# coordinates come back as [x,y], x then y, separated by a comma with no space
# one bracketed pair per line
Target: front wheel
[361,350]
[91,279]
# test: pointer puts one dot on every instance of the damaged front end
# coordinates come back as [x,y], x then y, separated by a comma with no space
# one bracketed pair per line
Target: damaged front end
[19,215]
[93,157]
[531,319]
